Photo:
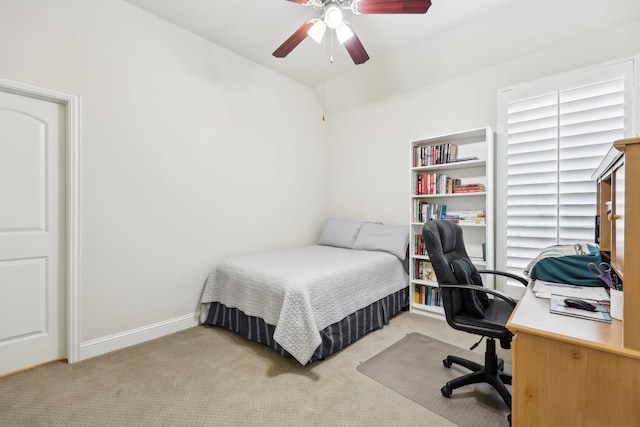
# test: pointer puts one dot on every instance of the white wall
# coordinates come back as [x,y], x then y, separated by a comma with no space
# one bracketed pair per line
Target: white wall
[189,153]
[370,144]
[500,35]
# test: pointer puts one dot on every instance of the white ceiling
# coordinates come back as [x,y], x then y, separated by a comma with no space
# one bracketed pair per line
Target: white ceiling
[255,28]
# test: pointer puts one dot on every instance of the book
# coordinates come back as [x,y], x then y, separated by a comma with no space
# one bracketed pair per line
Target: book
[424,271]
[463,159]
[469,188]
[470,221]
[428,273]
[557,306]
[544,289]
[467,217]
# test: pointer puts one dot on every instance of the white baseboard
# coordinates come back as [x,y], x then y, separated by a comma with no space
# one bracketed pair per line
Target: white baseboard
[115,342]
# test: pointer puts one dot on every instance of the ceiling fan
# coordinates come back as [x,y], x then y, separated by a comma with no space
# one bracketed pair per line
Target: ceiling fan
[330,15]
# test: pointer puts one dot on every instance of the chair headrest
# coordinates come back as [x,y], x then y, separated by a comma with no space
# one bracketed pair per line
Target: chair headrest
[444,243]
[448,236]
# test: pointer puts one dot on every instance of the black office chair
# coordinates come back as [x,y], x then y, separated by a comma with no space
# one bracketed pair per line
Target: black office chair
[467,306]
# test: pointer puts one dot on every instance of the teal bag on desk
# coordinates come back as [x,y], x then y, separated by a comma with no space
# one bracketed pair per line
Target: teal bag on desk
[566,264]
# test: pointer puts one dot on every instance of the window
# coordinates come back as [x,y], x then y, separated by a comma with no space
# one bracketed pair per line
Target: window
[553,134]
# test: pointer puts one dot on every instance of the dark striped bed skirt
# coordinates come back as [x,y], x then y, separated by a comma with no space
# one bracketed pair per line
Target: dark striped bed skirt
[334,337]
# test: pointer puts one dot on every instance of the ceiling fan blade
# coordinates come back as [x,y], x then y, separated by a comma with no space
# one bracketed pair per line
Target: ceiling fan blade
[393,6]
[294,40]
[356,50]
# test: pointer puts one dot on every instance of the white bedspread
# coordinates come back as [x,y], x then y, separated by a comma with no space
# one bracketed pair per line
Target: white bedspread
[303,290]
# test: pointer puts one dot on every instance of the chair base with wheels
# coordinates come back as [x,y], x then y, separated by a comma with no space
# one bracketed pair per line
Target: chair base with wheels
[491,373]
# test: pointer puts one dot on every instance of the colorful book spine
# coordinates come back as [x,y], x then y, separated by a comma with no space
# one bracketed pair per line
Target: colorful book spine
[434,183]
[429,155]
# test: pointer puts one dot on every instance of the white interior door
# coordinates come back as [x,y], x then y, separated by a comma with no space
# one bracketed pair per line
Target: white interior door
[32,232]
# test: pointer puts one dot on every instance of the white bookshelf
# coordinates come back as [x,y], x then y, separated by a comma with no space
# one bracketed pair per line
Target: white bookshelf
[475,143]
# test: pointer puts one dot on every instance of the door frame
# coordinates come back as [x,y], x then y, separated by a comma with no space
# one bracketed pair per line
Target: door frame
[71,103]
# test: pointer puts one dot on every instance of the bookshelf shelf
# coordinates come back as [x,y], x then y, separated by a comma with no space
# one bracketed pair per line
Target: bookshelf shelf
[440,181]
[450,195]
[426,282]
[452,166]
[428,310]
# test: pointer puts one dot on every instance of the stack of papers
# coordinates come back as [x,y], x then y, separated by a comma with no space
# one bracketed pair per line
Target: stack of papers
[597,294]
[557,305]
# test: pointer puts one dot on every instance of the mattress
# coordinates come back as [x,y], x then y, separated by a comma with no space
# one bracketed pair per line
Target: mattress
[302,291]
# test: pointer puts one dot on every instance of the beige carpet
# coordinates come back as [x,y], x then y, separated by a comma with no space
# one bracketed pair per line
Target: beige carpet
[413,367]
[208,376]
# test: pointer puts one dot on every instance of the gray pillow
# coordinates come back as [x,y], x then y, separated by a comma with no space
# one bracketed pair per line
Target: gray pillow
[387,238]
[339,232]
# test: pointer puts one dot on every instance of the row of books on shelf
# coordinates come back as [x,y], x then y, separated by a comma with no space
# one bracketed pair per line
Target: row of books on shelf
[424,212]
[423,270]
[419,247]
[428,295]
[434,183]
[437,183]
[429,155]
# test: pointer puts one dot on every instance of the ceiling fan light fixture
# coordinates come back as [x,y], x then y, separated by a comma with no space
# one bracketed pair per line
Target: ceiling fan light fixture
[333,16]
[329,14]
[316,32]
[344,32]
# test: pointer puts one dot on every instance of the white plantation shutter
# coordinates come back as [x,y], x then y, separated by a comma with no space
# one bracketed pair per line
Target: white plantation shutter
[591,118]
[554,142]
[532,140]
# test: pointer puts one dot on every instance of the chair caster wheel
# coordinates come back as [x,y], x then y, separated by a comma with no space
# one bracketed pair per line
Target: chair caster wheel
[446,391]
[500,365]
[509,418]
[446,363]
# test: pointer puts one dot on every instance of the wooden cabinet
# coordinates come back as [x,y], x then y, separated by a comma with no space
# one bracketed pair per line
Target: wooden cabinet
[617,217]
[434,172]
[619,213]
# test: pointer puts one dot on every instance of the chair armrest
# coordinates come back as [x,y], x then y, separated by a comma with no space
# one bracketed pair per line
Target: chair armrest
[499,294]
[505,274]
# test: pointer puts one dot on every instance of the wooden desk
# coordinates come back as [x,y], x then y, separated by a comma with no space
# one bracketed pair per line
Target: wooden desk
[569,371]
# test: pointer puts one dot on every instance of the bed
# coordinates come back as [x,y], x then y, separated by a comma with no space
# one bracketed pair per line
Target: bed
[311,301]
